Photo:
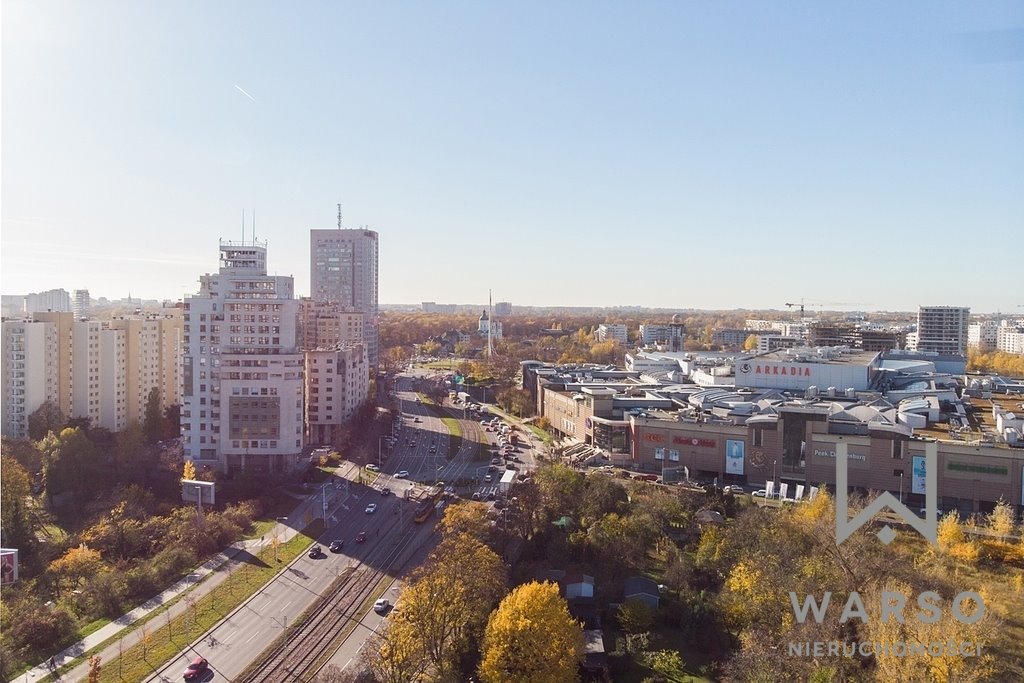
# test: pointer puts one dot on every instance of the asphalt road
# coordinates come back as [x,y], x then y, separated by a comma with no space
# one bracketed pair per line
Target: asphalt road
[233,643]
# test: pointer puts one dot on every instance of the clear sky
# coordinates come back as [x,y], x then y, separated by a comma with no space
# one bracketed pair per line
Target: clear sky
[861,155]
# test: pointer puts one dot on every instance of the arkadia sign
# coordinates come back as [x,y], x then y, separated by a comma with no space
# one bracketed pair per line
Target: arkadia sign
[892,604]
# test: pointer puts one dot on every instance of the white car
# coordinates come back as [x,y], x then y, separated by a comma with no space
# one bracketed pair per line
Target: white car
[402,474]
[371,508]
[381,606]
[373,468]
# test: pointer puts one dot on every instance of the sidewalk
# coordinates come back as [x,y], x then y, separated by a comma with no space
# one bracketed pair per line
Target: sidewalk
[219,566]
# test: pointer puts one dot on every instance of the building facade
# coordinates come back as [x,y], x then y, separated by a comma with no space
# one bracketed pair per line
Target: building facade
[336,385]
[325,324]
[29,372]
[612,332]
[942,329]
[242,370]
[55,300]
[343,270]
[80,303]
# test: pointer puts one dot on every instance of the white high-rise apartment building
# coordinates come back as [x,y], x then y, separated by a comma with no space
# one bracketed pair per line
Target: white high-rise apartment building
[80,366]
[983,335]
[152,359]
[80,303]
[56,300]
[942,329]
[242,370]
[612,332]
[29,373]
[326,325]
[343,270]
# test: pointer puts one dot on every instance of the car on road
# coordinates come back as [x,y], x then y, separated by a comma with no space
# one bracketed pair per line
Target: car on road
[401,474]
[495,461]
[315,552]
[381,606]
[336,546]
[488,478]
[476,495]
[416,419]
[433,449]
[373,468]
[385,491]
[361,537]
[732,488]
[371,508]
[196,669]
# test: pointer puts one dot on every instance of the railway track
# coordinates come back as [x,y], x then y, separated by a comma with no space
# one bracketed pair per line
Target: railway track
[310,641]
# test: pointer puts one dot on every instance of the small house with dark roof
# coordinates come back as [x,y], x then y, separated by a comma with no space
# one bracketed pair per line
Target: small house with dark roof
[643,589]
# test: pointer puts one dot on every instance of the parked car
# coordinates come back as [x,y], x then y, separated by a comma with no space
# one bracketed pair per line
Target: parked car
[315,552]
[336,546]
[381,606]
[373,468]
[196,669]
[371,508]
[402,474]
[732,488]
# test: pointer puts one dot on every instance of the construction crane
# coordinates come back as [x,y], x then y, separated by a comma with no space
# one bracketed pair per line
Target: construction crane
[789,305]
[820,304]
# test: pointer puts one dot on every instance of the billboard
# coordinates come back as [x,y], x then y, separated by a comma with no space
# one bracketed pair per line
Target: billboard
[659,453]
[8,565]
[917,470]
[734,451]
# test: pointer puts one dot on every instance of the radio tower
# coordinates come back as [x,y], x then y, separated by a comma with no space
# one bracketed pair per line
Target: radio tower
[339,216]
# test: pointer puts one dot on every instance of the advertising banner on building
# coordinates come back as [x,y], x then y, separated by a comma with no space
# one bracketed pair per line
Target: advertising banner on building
[917,468]
[769,486]
[659,453]
[799,492]
[734,456]
[673,455]
[783,489]
[8,565]
[813,493]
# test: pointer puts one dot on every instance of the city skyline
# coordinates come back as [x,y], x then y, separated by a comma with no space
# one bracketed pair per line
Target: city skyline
[676,157]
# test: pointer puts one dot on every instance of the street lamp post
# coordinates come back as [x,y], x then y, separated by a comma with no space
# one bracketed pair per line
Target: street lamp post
[901,486]
[774,482]
[380,439]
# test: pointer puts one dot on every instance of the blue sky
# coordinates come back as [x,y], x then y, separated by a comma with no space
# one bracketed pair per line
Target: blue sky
[863,155]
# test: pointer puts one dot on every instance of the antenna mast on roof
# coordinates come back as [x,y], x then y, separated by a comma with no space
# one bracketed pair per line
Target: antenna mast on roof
[254,227]
[339,216]
[243,226]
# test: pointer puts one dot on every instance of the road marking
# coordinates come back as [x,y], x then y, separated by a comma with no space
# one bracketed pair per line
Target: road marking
[252,636]
[347,663]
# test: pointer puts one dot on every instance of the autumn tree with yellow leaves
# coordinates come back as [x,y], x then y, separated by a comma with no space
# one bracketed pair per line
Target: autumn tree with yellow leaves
[449,598]
[532,637]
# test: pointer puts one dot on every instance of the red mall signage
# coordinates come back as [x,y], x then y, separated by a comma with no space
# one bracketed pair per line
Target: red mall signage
[687,441]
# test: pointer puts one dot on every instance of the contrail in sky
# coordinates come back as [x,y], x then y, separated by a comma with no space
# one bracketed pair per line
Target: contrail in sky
[239,89]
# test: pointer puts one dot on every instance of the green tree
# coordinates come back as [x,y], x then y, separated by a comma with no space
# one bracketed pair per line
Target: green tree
[636,616]
[72,463]
[532,637]
[45,419]
[152,423]
[75,565]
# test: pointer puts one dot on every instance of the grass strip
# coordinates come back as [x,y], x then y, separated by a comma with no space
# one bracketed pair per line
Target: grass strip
[160,639]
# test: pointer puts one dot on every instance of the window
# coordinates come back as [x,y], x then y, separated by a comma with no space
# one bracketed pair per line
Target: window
[757,438]
[897,449]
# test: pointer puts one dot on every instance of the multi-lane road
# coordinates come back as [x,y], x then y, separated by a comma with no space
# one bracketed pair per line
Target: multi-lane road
[392,540]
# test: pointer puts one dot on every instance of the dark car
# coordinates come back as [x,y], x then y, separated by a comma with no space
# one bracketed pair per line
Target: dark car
[315,552]
[385,491]
[336,546]
[196,669]
[361,537]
